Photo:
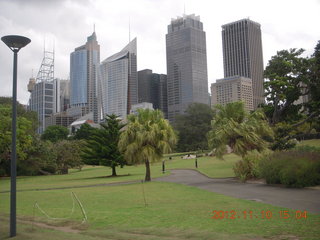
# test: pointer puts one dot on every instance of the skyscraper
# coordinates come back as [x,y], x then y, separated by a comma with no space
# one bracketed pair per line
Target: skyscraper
[43,91]
[84,64]
[152,88]
[119,81]
[242,54]
[187,78]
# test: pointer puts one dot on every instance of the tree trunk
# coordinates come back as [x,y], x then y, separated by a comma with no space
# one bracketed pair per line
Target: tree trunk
[114,173]
[148,174]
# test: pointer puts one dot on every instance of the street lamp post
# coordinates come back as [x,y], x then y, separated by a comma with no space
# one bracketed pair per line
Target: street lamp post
[15,43]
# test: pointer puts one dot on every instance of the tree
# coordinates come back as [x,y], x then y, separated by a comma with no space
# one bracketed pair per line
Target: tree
[147,137]
[55,133]
[313,105]
[67,155]
[193,127]
[235,127]
[25,135]
[102,145]
[291,77]
[84,132]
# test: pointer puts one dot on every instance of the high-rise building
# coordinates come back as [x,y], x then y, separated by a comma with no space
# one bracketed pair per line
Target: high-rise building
[242,54]
[187,78]
[84,82]
[43,91]
[152,87]
[232,89]
[119,81]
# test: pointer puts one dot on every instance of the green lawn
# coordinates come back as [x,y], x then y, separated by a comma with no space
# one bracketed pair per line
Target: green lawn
[173,212]
[97,175]
[311,142]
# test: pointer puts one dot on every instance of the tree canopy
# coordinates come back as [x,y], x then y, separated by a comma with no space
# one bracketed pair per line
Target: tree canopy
[240,130]
[146,138]
[55,133]
[102,145]
[291,78]
[193,127]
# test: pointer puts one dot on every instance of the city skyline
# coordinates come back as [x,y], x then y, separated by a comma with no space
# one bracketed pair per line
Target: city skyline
[69,22]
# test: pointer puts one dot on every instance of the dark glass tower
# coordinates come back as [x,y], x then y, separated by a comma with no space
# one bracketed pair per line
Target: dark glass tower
[242,54]
[187,78]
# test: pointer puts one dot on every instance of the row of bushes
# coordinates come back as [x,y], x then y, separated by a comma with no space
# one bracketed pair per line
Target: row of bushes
[299,167]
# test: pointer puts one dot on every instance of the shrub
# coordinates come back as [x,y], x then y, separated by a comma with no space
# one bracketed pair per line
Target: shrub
[295,168]
[248,167]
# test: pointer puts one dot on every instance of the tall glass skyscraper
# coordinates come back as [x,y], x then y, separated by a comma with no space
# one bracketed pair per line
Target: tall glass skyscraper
[187,78]
[242,54]
[84,84]
[119,80]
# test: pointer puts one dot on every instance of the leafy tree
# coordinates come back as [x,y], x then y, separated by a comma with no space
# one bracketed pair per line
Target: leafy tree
[67,155]
[84,132]
[24,138]
[287,74]
[193,127]
[235,127]
[55,133]
[313,105]
[41,159]
[147,137]
[102,146]
[6,102]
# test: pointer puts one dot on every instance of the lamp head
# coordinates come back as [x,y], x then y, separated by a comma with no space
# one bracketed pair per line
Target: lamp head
[15,42]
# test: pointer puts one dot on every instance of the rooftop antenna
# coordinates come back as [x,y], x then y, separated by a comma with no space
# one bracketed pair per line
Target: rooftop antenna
[94,27]
[32,73]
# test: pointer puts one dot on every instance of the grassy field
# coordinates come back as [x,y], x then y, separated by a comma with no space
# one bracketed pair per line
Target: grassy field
[98,175]
[311,142]
[173,212]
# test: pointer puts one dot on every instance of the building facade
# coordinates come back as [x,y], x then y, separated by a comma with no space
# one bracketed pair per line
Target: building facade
[187,79]
[43,92]
[84,82]
[119,81]
[232,89]
[242,54]
[152,87]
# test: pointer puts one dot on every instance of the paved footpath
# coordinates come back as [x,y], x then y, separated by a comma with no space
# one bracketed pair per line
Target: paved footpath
[299,199]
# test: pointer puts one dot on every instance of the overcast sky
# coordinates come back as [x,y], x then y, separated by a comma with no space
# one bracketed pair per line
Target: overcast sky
[67,23]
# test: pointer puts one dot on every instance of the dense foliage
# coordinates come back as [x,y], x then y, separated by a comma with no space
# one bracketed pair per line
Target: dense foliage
[293,95]
[102,144]
[55,133]
[233,126]
[193,126]
[146,138]
[294,168]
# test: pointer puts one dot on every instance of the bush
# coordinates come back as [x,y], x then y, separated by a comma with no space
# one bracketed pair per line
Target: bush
[248,167]
[295,168]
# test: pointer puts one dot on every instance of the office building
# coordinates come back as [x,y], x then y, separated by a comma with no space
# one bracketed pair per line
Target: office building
[119,81]
[152,87]
[43,91]
[142,105]
[242,54]
[84,84]
[232,89]
[187,79]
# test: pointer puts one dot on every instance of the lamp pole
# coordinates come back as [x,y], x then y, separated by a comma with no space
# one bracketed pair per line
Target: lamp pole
[15,43]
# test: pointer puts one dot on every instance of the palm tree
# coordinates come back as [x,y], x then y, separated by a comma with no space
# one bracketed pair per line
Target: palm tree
[147,137]
[242,131]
